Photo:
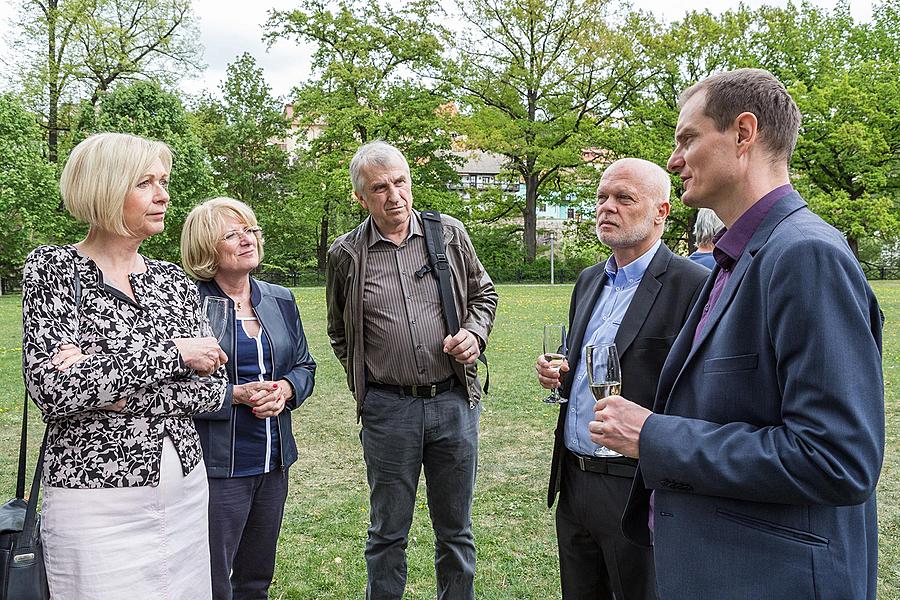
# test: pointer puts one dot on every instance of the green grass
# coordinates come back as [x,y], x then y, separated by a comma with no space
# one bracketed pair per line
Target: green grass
[321,546]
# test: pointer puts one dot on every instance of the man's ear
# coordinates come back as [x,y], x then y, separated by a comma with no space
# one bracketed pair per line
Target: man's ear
[360,199]
[662,212]
[746,128]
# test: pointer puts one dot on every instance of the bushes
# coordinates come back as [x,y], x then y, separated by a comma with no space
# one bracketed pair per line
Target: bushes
[501,252]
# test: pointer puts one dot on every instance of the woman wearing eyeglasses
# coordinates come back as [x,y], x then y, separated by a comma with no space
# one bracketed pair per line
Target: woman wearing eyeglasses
[247,445]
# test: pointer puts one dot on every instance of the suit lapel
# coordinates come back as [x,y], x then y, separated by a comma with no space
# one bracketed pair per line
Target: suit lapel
[642,302]
[684,350]
[585,308]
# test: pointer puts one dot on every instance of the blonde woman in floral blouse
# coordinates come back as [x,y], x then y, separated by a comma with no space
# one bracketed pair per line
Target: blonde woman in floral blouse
[110,367]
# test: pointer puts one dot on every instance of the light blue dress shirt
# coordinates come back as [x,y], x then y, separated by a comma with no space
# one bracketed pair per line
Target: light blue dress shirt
[601,329]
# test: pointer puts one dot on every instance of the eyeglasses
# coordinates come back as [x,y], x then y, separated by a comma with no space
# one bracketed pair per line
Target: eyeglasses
[236,235]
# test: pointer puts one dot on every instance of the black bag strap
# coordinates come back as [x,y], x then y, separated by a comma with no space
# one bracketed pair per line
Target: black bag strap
[28,537]
[31,511]
[23,450]
[434,239]
[437,256]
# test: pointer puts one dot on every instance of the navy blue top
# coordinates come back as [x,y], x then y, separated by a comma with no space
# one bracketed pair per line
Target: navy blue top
[256,448]
[704,258]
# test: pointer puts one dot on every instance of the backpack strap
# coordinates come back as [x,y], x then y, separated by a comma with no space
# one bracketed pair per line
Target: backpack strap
[440,266]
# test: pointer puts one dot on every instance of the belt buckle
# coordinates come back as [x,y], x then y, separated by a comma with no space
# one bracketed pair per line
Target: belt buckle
[433,390]
[580,462]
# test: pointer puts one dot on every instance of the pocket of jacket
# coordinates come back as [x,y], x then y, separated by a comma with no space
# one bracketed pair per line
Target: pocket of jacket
[768,527]
[727,364]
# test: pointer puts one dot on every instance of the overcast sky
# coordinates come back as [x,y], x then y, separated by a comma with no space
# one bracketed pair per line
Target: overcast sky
[230,27]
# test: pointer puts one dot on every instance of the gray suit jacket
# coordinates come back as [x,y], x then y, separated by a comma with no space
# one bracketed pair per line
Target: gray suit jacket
[767,455]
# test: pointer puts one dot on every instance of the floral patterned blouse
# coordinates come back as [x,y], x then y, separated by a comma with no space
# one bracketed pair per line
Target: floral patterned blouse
[131,356]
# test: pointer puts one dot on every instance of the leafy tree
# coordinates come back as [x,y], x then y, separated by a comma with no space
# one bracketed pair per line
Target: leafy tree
[238,133]
[842,75]
[369,61]
[76,48]
[28,190]
[144,108]
[538,76]
[677,55]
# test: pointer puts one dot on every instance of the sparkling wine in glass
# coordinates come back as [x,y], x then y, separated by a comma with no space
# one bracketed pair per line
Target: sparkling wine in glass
[604,378]
[216,311]
[555,353]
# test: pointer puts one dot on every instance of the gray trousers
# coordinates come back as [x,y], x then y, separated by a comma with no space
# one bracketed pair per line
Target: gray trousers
[400,435]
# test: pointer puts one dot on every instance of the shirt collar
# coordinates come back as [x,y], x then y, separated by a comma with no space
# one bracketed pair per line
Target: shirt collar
[374,236]
[730,243]
[634,270]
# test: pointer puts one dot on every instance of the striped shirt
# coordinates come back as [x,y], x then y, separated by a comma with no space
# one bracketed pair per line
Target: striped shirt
[402,317]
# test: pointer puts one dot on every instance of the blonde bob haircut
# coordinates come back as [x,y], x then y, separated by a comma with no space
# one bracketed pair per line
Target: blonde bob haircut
[101,171]
[202,232]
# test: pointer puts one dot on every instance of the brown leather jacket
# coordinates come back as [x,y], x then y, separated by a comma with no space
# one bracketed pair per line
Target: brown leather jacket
[476,301]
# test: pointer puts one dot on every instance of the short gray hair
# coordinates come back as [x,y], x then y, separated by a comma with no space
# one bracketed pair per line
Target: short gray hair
[377,153]
[706,226]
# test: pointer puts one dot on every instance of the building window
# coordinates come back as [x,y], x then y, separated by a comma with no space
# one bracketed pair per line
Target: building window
[570,213]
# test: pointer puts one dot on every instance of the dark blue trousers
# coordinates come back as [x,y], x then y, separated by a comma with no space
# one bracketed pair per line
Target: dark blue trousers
[244,521]
[401,435]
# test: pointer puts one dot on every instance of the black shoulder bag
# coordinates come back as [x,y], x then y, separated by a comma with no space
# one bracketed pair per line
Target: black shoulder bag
[22,572]
[440,266]
[21,552]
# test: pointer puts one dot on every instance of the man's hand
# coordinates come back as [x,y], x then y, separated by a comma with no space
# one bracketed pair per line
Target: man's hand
[549,377]
[617,425]
[463,347]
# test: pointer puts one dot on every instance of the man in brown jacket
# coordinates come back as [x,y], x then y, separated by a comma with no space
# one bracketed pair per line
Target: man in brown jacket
[416,388]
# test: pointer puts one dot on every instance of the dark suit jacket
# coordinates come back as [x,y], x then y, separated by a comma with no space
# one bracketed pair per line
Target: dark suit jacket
[766,459]
[661,303]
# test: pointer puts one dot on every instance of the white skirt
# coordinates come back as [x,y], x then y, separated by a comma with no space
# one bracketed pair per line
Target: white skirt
[130,543]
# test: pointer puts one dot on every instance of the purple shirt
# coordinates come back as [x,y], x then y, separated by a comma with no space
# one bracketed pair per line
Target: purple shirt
[729,245]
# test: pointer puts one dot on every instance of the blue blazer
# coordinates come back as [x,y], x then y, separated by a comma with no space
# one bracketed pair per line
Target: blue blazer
[768,451]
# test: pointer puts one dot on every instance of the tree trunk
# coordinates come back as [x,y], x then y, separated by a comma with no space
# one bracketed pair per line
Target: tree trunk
[322,246]
[53,85]
[530,217]
[854,246]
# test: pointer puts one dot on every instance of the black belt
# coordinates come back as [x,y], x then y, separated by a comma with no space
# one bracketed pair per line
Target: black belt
[616,466]
[419,391]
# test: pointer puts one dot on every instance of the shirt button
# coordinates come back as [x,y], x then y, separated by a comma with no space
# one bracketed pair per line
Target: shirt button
[618,289]
[418,346]
[413,322]
[573,410]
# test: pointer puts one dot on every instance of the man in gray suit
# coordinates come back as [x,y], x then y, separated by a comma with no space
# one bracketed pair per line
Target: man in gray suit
[639,299]
[764,462]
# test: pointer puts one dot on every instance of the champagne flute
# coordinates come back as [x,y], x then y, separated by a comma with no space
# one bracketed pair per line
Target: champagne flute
[555,353]
[604,378]
[216,311]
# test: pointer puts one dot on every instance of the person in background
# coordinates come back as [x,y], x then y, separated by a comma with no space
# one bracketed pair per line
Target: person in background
[247,444]
[705,228]
[416,387]
[111,340]
[637,299]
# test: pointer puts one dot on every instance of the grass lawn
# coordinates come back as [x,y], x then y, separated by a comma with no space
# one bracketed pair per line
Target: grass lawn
[321,546]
